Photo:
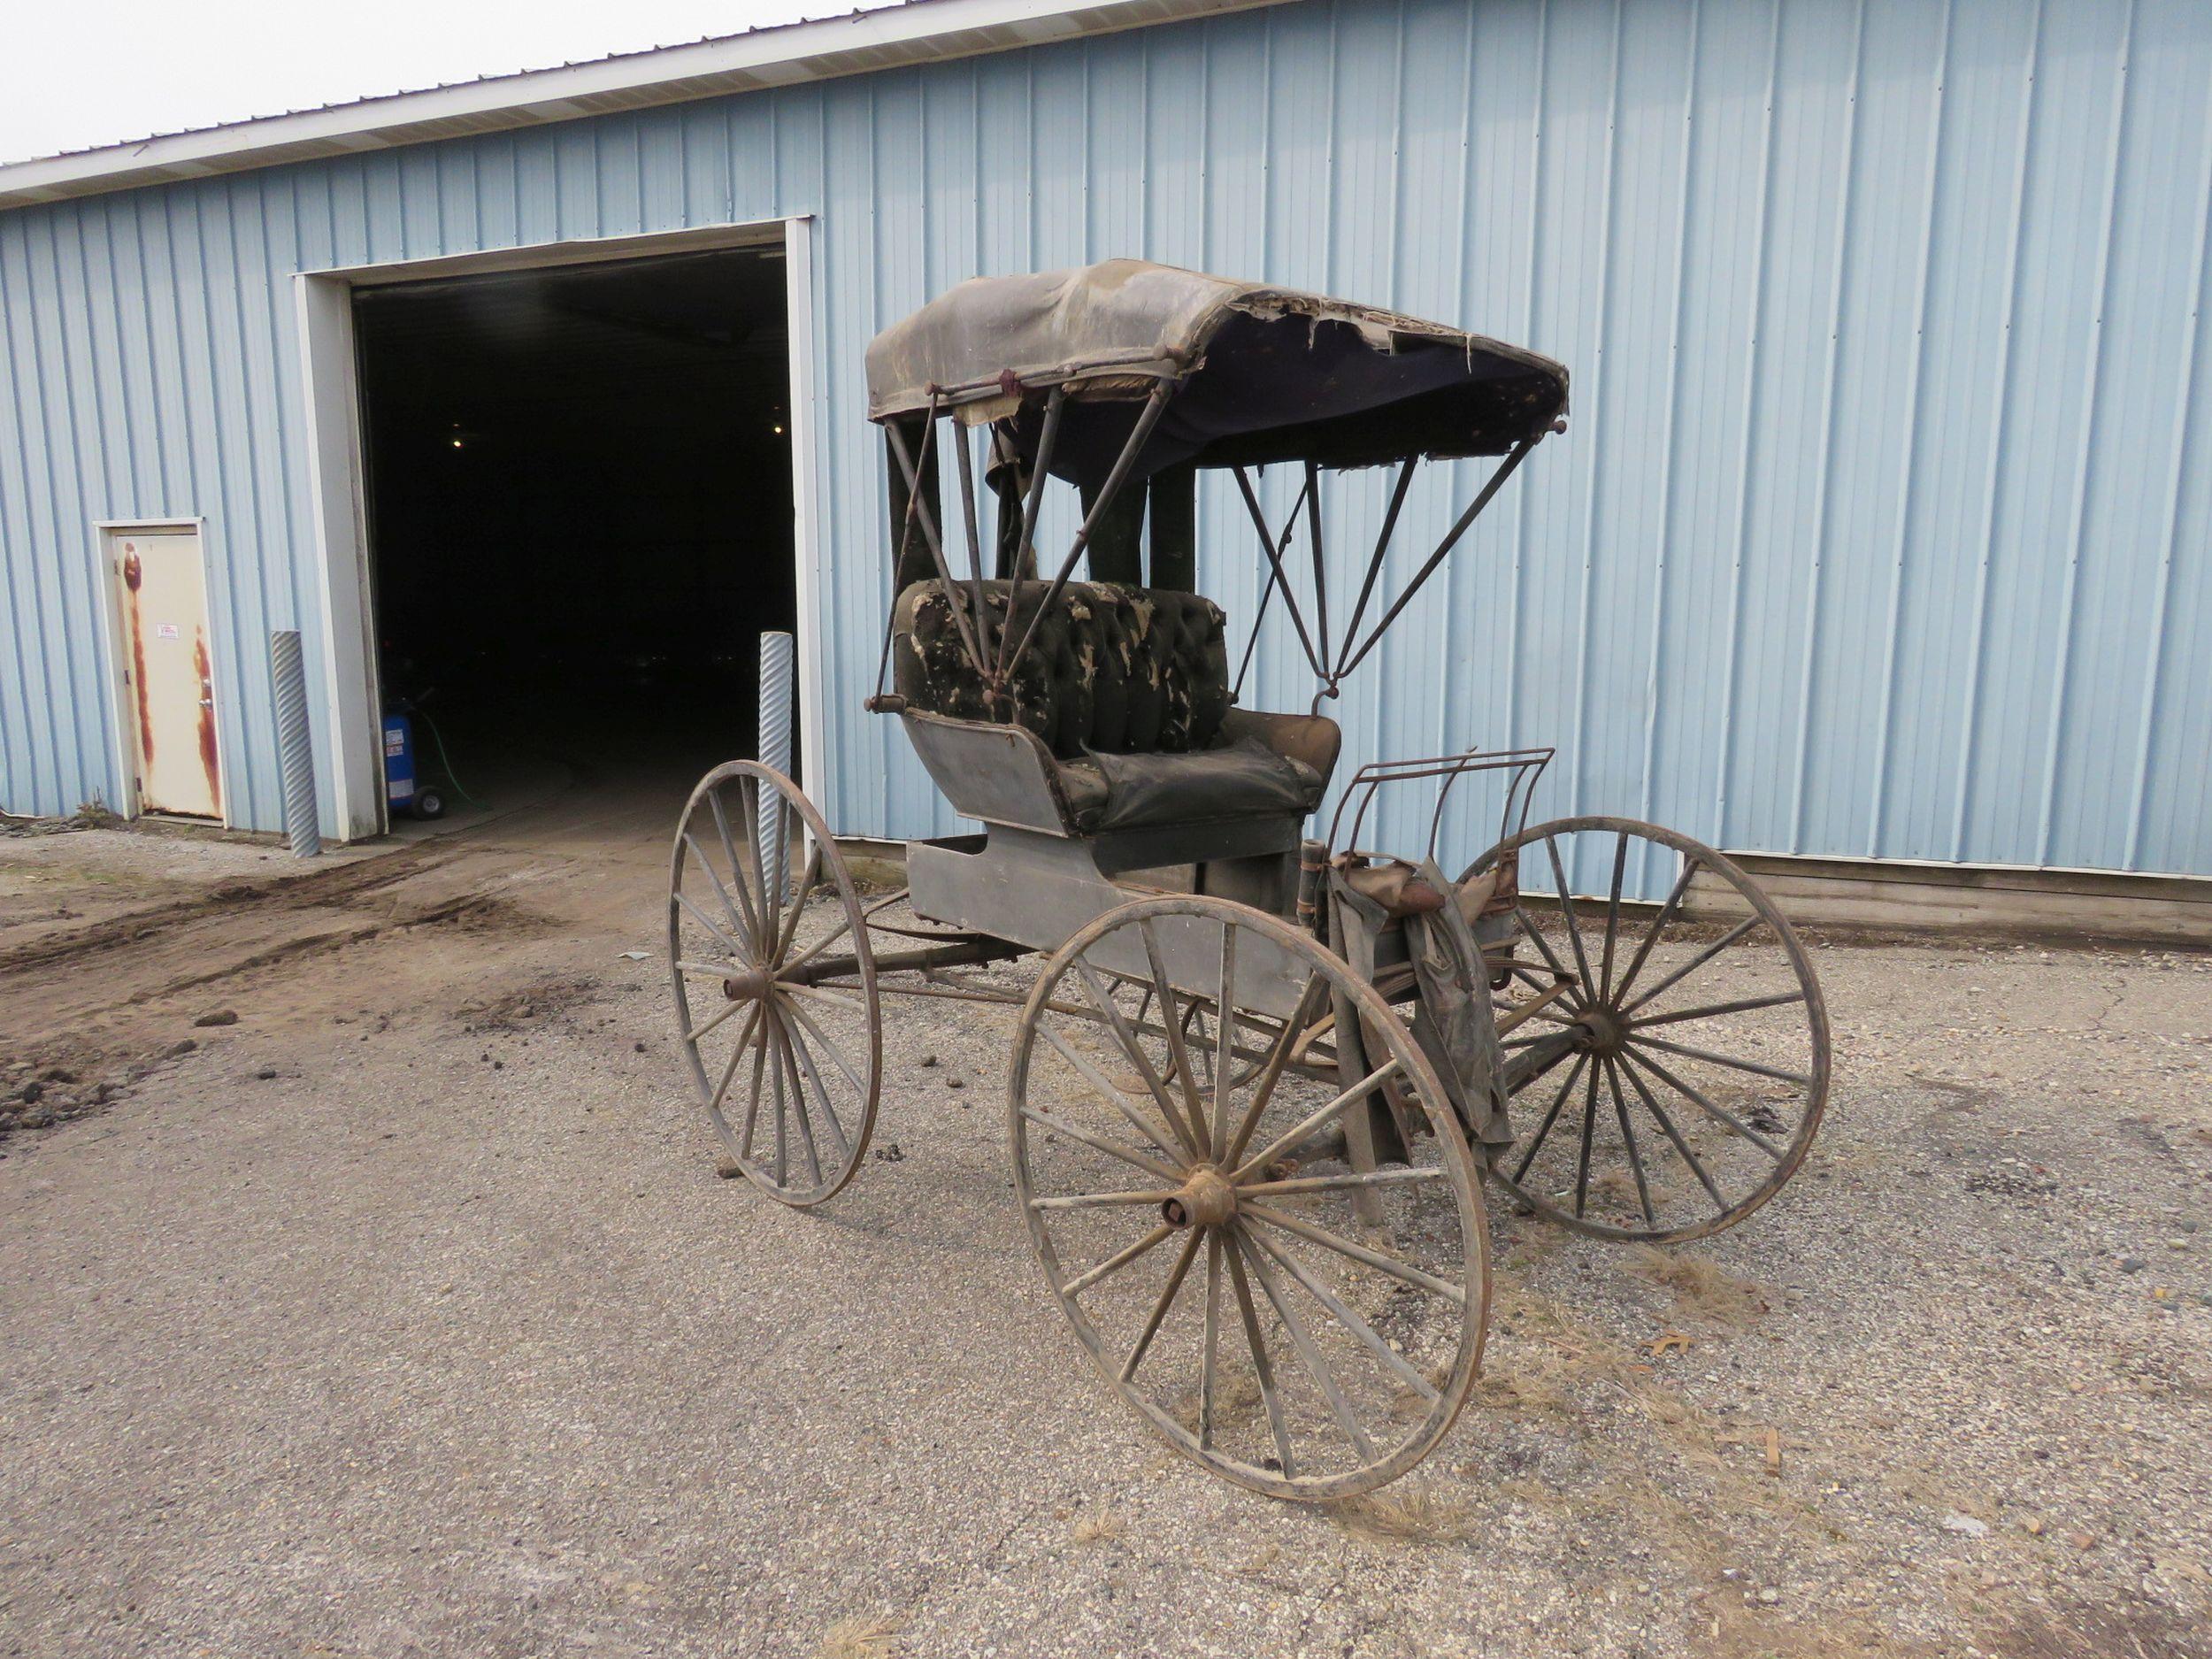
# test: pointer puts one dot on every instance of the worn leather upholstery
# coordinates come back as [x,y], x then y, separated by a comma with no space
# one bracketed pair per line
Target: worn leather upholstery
[1129,688]
[1118,670]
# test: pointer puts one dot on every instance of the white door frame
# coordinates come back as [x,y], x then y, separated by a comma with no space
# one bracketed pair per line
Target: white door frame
[114,647]
[329,373]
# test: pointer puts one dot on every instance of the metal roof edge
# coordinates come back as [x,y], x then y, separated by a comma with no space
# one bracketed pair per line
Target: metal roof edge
[921,31]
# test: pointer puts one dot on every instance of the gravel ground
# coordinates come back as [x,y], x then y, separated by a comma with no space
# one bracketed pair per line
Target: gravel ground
[406,1315]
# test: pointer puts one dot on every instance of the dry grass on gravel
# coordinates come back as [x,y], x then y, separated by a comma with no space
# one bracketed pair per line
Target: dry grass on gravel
[864,1636]
[1705,1293]
[1408,1513]
[1098,1525]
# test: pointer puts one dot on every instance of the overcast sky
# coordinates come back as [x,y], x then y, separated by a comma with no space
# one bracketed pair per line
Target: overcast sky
[76,73]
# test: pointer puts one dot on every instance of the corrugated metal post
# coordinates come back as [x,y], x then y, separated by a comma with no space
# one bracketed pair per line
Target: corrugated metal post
[295,751]
[777,681]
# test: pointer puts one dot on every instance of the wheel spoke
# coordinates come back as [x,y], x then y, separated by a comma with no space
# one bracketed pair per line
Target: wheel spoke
[1549,1018]
[1521,1073]
[1551,957]
[806,1023]
[1328,1240]
[1673,1134]
[1550,1117]
[1567,915]
[1094,1201]
[1211,1364]
[1330,1183]
[1120,1259]
[1589,1133]
[1778,1073]
[827,999]
[797,1046]
[751,921]
[807,884]
[1106,1144]
[1224,1042]
[798,1100]
[1637,1057]
[1613,916]
[1534,980]
[1308,1356]
[775,1078]
[752,1105]
[740,951]
[712,1021]
[1313,1120]
[1628,1140]
[1395,1362]
[1714,1011]
[719,970]
[1696,962]
[1104,1086]
[1689,867]
[1103,999]
[1271,1072]
[770,904]
[844,926]
[706,867]
[1159,1309]
[1178,1054]
[744,1041]
[1261,1365]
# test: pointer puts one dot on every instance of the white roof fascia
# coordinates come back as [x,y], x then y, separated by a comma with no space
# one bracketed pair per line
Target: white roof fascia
[922,31]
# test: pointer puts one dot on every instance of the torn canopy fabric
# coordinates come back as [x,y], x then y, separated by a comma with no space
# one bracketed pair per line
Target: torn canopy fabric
[1262,373]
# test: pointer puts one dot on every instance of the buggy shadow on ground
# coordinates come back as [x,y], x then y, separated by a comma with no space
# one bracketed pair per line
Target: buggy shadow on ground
[405,1313]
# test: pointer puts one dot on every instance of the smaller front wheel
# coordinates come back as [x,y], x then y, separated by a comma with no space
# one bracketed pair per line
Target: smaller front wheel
[1191,1183]
[775,996]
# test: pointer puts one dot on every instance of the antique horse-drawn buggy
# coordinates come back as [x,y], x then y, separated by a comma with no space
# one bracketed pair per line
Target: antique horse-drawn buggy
[1262,1076]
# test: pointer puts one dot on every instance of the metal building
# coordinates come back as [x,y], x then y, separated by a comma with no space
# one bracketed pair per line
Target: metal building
[1883,527]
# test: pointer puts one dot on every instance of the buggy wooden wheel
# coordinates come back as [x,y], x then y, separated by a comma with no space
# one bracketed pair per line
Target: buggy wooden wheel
[774,984]
[1181,1159]
[1675,1077]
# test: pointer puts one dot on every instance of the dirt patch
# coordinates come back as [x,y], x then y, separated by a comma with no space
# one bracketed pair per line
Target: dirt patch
[2139,1629]
[88,1012]
[332,885]
[533,1005]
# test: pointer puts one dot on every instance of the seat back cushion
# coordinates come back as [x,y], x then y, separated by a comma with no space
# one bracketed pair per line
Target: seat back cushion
[1111,669]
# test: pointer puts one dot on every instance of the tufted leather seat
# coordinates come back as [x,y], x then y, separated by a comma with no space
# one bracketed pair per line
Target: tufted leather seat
[1128,688]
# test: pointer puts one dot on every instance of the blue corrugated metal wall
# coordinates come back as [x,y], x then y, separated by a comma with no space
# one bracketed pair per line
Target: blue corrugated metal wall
[1881,527]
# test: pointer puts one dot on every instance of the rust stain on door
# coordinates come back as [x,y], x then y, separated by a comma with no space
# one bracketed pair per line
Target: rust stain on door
[205,670]
[133,574]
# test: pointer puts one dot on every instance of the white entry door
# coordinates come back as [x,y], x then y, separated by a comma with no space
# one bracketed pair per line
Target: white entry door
[168,671]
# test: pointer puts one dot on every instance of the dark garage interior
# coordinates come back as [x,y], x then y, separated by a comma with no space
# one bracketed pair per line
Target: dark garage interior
[579,511]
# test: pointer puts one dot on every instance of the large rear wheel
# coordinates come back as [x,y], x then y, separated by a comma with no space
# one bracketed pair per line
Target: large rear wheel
[1668,1049]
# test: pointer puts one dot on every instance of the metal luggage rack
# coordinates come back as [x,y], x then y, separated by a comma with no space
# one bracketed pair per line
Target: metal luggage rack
[1523,767]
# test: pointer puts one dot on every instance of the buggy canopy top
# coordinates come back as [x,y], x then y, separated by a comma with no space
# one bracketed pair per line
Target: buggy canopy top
[1260,373]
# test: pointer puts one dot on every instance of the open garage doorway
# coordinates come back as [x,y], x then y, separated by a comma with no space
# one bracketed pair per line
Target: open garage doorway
[578,486]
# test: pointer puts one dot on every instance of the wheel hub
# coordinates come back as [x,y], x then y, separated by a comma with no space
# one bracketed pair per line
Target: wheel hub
[747,984]
[1602,1032]
[1207,1200]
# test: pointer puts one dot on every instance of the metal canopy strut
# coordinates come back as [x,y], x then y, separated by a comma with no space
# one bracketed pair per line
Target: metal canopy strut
[1330,670]
[1154,407]
[995,662]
